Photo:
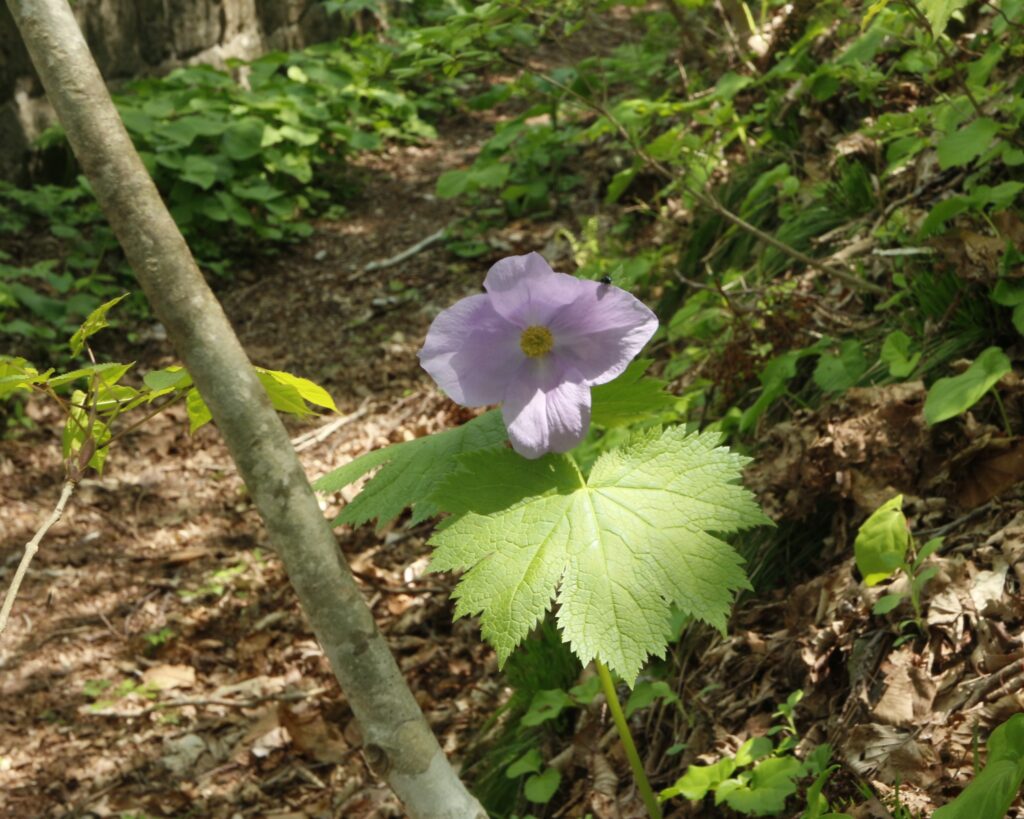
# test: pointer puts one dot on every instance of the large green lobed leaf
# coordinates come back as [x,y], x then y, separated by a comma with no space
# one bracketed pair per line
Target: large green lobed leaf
[617,548]
[411,472]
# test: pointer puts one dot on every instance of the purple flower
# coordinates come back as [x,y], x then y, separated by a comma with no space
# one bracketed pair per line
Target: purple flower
[536,342]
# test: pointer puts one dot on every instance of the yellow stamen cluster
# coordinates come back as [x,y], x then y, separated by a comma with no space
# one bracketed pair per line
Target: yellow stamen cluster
[536,341]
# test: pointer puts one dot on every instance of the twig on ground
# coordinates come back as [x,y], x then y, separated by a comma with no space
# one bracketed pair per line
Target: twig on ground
[30,551]
[379,585]
[401,257]
[227,702]
[946,528]
[321,434]
[982,688]
[903,251]
[94,797]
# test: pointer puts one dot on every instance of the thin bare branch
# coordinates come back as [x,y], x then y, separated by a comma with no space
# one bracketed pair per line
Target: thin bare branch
[398,258]
[30,551]
[213,699]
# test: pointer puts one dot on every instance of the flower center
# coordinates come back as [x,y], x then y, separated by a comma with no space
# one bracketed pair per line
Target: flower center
[536,341]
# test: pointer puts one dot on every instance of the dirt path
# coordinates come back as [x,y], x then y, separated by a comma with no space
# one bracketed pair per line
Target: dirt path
[159,588]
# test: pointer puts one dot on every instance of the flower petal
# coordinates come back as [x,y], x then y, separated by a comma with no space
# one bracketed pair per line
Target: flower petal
[471,351]
[546,409]
[601,331]
[526,291]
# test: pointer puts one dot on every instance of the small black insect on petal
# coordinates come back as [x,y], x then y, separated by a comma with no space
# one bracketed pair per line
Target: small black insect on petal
[606,280]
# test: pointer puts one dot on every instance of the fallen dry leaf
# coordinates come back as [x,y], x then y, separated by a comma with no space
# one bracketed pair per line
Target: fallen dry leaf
[909,690]
[167,677]
[312,735]
[991,475]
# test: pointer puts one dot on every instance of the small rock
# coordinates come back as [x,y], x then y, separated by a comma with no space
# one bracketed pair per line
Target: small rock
[183,752]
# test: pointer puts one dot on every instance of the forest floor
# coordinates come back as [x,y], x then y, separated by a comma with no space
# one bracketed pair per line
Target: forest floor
[158,586]
[158,664]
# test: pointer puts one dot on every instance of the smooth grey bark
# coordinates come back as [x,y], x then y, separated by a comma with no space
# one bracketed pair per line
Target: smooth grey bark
[398,742]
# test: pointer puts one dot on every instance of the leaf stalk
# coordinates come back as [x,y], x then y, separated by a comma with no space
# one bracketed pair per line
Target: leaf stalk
[635,763]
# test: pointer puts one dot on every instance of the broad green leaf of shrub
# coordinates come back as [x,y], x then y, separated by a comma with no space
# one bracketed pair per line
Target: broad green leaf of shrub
[620,182]
[753,749]
[284,397]
[926,551]
[897,355]
[938,13]
[886,603]
[997,197]
[106,373]
[17,374]
[167,380]
[296,165]
[765,789]
[882,542]
[73,437]
[994,788]
[695,783]
[616,549]
[490,174]
[411,472]
[201,171]
[942,212]
[982,197]
[546,705]
[837,372]
[541,787]
[1007,741]
[306,389]
[647,692]
[243,139]
[775,378]
[1010,293]
[199,414]
[288,393]
[95,322]
[530,762]
[452,183]
[630,398]
[949,397]
[966,143]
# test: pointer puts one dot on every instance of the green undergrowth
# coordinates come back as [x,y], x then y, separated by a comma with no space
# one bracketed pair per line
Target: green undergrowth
[543,665]
[245,157]
[819,147]
[892,131]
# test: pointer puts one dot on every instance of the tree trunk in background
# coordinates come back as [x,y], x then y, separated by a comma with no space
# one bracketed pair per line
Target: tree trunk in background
[397,740]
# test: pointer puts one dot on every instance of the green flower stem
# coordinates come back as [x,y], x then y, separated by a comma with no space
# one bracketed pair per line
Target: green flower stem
[639,775]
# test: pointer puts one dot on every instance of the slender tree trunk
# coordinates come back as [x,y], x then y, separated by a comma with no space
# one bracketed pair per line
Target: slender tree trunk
[397,740]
